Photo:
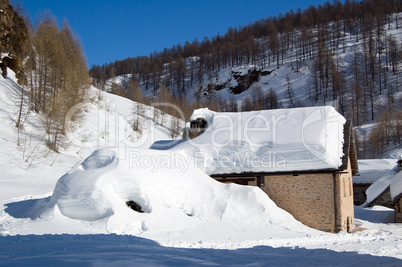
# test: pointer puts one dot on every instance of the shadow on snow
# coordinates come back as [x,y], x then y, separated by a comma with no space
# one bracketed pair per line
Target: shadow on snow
[31,208]
[116,250]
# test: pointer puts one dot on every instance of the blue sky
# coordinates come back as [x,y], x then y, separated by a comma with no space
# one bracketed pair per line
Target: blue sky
[111,30]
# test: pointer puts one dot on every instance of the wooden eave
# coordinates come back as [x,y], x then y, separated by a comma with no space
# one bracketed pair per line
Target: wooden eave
[396,199]
[349,149]
[379,195]
[255,174]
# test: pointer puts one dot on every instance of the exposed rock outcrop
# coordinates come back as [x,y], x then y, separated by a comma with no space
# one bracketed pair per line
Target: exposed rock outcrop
[13,40]
[242,80]
[245,81]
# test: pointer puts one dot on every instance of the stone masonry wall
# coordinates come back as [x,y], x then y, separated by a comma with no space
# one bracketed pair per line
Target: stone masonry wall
[323,201]
[398,211]
[308,197]
[344,200]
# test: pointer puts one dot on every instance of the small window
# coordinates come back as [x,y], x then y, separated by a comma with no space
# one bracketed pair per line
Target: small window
[261,181]
[344,181]
[350,186]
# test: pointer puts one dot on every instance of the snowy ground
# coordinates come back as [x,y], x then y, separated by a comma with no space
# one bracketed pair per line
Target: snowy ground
[198,222]
[114,250]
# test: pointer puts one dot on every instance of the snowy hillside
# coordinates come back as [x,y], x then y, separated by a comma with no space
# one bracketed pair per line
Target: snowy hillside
[31,167]
[301,80]
[240,80]
[66,208]
[360,92]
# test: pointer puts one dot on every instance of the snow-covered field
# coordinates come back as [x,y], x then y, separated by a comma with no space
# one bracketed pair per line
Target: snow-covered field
[70,208]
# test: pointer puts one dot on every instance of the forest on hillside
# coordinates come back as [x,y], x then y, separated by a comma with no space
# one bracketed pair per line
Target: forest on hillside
[314,33]
[49,61]
[364,92]
[50,67]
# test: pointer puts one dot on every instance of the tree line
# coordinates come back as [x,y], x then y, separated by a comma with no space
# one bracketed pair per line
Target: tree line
[57,76]
[261,43]
[316,34]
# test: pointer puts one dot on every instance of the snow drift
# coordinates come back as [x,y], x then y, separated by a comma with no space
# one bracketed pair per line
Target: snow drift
[172,193]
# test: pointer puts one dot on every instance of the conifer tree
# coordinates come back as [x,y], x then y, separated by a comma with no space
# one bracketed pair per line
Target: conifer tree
[58,76]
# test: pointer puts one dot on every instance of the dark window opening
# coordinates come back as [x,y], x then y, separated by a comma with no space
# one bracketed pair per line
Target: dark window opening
[261,180]
[199,123]
[134,206]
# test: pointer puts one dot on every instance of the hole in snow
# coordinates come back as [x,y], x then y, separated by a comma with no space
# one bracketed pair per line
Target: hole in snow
[134,206]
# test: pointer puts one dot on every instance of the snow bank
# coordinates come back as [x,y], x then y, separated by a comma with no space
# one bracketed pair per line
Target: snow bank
[279,140]
[79,194]
[172,193]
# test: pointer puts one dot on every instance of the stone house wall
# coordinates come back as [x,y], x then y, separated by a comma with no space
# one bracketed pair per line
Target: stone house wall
[323,201]
[344,195]
[359,193]
[308,197]
[398,211]
[384,199]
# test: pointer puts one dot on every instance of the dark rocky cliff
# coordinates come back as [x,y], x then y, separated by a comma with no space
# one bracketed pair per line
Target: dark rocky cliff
[13,40]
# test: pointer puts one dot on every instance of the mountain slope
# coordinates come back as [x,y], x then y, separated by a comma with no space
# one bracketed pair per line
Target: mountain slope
[107,123]
[355,72]
[193,210]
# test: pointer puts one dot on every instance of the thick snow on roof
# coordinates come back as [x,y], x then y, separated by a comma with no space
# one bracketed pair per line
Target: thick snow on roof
[298,139]
[379,186]
[396,186]
[370,170]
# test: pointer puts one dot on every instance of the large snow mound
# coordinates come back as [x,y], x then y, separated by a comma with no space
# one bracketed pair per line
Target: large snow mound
[279,140]
[172,193]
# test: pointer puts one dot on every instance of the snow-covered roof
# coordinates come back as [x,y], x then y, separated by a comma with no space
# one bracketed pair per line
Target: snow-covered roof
[370,170]
[379,187]
[396,186]
[281,140]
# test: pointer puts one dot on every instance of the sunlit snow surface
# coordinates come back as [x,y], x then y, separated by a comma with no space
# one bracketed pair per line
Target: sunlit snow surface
[278,140]
[68,208]
[182,198]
